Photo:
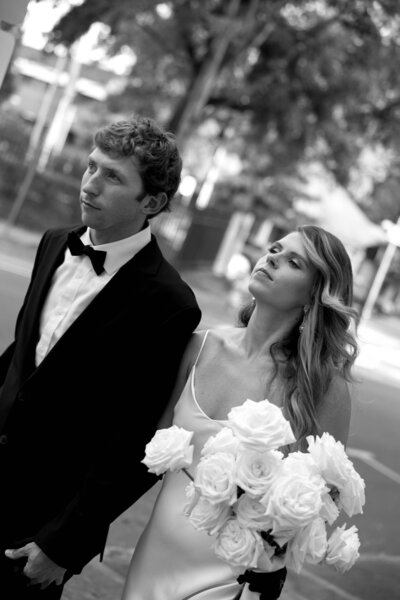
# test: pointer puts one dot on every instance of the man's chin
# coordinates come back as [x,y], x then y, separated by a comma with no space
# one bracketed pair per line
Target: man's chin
[87,219]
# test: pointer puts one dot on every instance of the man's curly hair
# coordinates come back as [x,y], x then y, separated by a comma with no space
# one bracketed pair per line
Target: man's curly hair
[155,150]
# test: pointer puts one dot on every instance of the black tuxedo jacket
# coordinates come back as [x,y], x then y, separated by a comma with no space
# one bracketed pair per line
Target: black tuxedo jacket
[73,430]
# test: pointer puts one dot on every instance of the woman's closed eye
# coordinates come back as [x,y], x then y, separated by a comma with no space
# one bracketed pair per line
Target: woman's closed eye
[292,261]
[293,264]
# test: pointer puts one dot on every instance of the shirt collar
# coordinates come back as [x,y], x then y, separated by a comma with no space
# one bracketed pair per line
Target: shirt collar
[119,252]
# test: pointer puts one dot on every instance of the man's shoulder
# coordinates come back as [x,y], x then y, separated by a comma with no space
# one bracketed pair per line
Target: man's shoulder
[167,273]
[176,293]
[174,285]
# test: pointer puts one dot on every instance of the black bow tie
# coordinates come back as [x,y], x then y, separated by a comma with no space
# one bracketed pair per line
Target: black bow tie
[77,247]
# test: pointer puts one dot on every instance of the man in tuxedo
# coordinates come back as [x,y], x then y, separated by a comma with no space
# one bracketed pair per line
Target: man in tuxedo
[97,345]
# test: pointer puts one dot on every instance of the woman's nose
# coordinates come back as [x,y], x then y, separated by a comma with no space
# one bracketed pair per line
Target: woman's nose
[272,260]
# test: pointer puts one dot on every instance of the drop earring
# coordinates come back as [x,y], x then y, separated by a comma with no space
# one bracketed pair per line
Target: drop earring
[305,312]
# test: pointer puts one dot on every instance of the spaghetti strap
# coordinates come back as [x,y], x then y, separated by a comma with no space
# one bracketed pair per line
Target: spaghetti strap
[201,347]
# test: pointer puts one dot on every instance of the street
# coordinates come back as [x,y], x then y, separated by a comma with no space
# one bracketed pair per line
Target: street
[373,446]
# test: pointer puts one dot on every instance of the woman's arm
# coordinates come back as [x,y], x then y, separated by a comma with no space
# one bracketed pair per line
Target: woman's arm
[334,412]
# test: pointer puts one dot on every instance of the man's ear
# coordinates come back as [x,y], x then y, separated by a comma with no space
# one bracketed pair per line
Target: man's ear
[154,204]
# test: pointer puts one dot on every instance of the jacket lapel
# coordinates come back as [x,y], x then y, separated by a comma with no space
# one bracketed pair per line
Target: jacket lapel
[125,289]
[51,256]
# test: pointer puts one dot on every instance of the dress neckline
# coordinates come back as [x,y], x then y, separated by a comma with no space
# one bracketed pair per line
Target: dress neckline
[196,402]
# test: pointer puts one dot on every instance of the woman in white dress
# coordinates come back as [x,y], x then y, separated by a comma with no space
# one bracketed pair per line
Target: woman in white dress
[295,347]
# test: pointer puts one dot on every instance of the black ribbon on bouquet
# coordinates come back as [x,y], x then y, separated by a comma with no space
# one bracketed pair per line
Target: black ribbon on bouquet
[268,585]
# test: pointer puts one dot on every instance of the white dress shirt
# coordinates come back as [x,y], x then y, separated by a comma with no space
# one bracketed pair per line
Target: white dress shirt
[75,284]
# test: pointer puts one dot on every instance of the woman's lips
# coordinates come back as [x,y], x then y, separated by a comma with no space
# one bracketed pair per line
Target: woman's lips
[262,270]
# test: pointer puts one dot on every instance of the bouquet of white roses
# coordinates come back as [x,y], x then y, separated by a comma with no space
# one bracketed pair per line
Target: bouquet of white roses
[265,509]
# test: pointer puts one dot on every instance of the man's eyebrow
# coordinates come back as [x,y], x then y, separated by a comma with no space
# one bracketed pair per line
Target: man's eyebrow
[114,170]
[108,168]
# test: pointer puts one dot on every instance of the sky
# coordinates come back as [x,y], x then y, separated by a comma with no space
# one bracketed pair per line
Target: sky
[40,19]
[42,16]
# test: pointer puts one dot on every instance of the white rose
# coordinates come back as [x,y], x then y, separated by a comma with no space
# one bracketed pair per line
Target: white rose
[192,498]
[215,477]
[251,513]
[300,463]
[329,511]
[223,441]
[294,501]
[260,425]
[238,545]
[256,472]
[330,458]
[343,548]
[169,449]
[204,515]
[352,495]
[336,468]
[308,545]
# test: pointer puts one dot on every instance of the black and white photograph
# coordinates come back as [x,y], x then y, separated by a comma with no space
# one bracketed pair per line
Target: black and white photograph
[200,299]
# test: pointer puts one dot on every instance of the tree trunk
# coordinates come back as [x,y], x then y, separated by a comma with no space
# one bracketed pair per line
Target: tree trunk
[189,110]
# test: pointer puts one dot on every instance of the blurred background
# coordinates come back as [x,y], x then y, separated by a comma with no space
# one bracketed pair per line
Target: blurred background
[286,112]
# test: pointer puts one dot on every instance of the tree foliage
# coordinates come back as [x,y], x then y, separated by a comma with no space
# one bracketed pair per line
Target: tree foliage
[286,81]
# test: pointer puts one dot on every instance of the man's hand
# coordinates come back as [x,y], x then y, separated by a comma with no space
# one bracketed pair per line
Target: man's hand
[39,568]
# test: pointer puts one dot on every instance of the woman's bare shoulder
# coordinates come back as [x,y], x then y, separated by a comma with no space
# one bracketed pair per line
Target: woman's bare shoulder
[216,336]
[215,333]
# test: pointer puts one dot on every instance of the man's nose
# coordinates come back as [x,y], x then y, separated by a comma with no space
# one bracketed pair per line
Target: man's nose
[92,184]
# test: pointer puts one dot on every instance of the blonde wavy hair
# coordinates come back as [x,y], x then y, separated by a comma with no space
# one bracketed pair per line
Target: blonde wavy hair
[326,346]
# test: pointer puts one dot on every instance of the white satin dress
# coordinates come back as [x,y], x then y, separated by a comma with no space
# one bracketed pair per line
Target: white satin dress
[172,560]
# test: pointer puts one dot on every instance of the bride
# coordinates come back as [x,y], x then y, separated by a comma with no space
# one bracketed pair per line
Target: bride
[293,346]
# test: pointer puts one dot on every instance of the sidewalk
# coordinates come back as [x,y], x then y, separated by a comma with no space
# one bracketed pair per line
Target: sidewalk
[379,340]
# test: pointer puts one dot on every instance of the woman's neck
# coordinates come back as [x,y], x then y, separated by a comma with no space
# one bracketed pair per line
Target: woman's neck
[266,328]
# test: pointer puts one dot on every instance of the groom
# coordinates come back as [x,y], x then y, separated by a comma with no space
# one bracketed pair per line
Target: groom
[97,344]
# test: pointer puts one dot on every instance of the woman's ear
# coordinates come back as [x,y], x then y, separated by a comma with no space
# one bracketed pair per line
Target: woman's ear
[153,204]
